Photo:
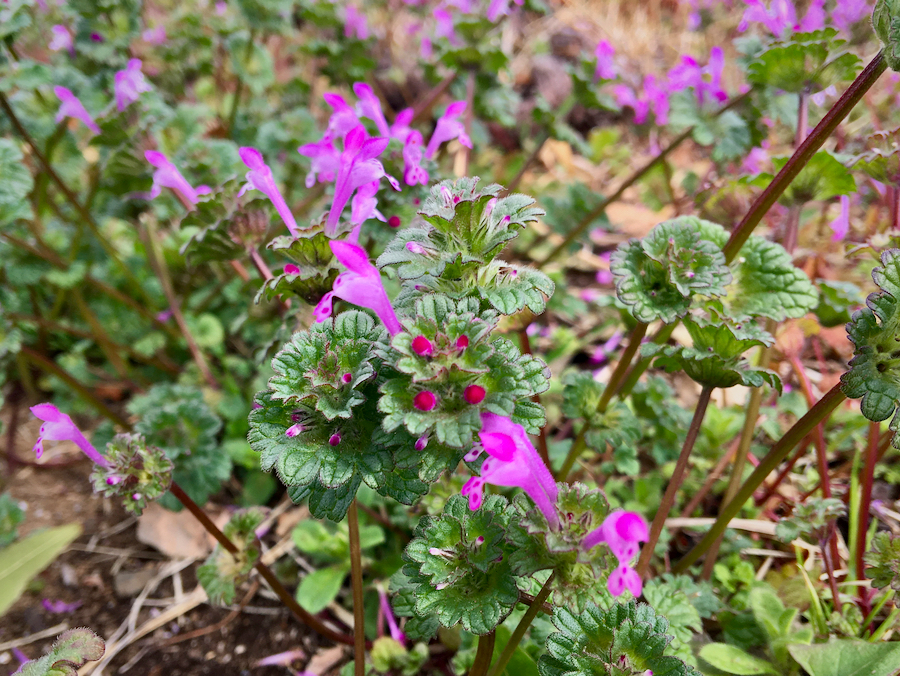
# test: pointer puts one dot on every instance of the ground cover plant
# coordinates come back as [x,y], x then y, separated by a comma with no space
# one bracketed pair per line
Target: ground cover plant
[577,349]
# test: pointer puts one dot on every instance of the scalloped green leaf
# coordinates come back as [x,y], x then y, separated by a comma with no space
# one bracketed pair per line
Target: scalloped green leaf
[806,62]
[823,178]
[881,160]
[511,288]
[72,649]
[884,560]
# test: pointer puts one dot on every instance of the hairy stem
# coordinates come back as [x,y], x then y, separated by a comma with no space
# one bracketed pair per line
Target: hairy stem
[675,482]
[484,654]
[767,465]
[522,627]
[356,580]
[803,154]
[309,620]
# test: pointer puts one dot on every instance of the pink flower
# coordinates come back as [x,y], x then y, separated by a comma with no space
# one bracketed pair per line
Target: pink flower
[401,130]
[260,178]
[756,158]
[58,427]
[396,634]
[781,16]
[622,531]
[499,8]
[413,154]
[841,224]
[658,99]
[325,160]
[448,128]
[360,285]
[606,69]
[357,167]
[168,176]
[155,36]
[72,107]
[364,204]
[129,84]
[704,80]
[444,27]
[355,23]
[58,607]
[848,12]
[369,106]
[626,98]
[819,98]
[62,39]
[513,461]
[343,119]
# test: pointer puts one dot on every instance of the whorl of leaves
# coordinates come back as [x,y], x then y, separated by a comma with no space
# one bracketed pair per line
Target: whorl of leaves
[222,570]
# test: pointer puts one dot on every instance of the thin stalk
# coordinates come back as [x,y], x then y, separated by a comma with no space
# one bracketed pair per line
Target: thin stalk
[577,449]
[55,369]
[100,335]
[767,465]
[853,508]
[309,620]
[803,154]
[618,374]
[239,88]
[887,596]
[484,654]
[522,627]
[659,521]
[634,375]
[895,208]
[73,200]
[356,580]
[866,502]
[828,559]
[887,624]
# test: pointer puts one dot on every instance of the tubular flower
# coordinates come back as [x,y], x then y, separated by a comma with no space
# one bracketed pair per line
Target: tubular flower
[260,178]
[606,69]
[396,633]
[364,205]
[413,173]
[622,531]
[325,160]
[168,176]
[58,427]
[704,80]
[781,16]
[513,461]
[355,24]
[343,119]
[129,84]
[72,107]
[360,285]
[370,107]
[449,128]
[62,39]
[357,167]
[841,224]
[400,130]
[155,36]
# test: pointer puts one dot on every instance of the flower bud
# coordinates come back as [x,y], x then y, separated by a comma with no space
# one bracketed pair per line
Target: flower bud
[422,442]
[294,430]
[334,439]
[462,343]
[425,401]
[394,221]
[135,471]
[422,346]
[474,394]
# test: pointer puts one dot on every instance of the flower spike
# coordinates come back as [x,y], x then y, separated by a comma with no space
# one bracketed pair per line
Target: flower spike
[360,285]
[449,128]
[58,427]
[72,107]
[622,531]
[260,178]
[513,461]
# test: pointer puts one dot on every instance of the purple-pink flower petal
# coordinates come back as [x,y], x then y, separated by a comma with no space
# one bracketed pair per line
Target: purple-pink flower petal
[260,178]
[129,83]
[71,106]
[167,175]
[57,426]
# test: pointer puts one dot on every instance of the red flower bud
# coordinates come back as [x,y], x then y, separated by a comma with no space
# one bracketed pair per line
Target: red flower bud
[425,401]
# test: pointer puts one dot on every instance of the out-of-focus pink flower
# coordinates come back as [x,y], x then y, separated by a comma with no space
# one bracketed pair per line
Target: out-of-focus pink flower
[221,8]
[499,8]
[325,160]
[704,80]
[164,316]
[448,128]
[260,178]
[658,100]
[343,119]
[369,106]
[513,461]
[388,613]
[364,204]
[400,130]
[848,12]
[168,176]
[819,98]
[62,39]
[780,17]
[606,69]
[284,659]
[755,160]
[57,426]
[841,224]
[129,83]
[355,24]
[602,353]
[625,97]
[622,531]
[57,606]
[358,167]
[413,153]
[360,285]
[444,27]
[72,107]
[155,35]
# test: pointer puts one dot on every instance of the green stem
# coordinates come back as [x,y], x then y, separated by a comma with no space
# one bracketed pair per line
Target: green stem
[55,369]
[767,465]
[309,620]
[618,374]
[887,596]
[803,154]
[577,449]
[887,624]
[356,580]
[522,627]
[634,375]
[866,502]
[239,88]
[659,521]
[483,655]
[73,200]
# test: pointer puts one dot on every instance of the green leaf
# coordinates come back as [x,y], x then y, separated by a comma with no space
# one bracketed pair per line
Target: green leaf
[874,371]
[881,160]
[521,663]
[223,571]
[510,288]
[886,21]
[15,185]
[629,638]
[659,275]
[25,559]
[252,62]
[11,515]
[823,178]
[848,657]
[71,650]
[321,587]
[733,660]
[884,559]
[684,619]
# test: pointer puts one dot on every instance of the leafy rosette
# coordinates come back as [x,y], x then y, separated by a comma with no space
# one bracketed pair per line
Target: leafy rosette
[459,565]
[136,471]
[658,276]
[716,358]
[452,372]
[629,639]
[874,371]
[882,159]
[453,252]
[312,270]
[72,649]
[580,574]
[223,570]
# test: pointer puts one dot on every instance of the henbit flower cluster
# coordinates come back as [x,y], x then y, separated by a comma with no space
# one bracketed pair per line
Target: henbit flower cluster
[129,83]
[446,14]
[355,170]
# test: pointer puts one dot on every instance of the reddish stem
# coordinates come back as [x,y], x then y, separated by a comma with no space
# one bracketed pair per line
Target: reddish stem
[865,504]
